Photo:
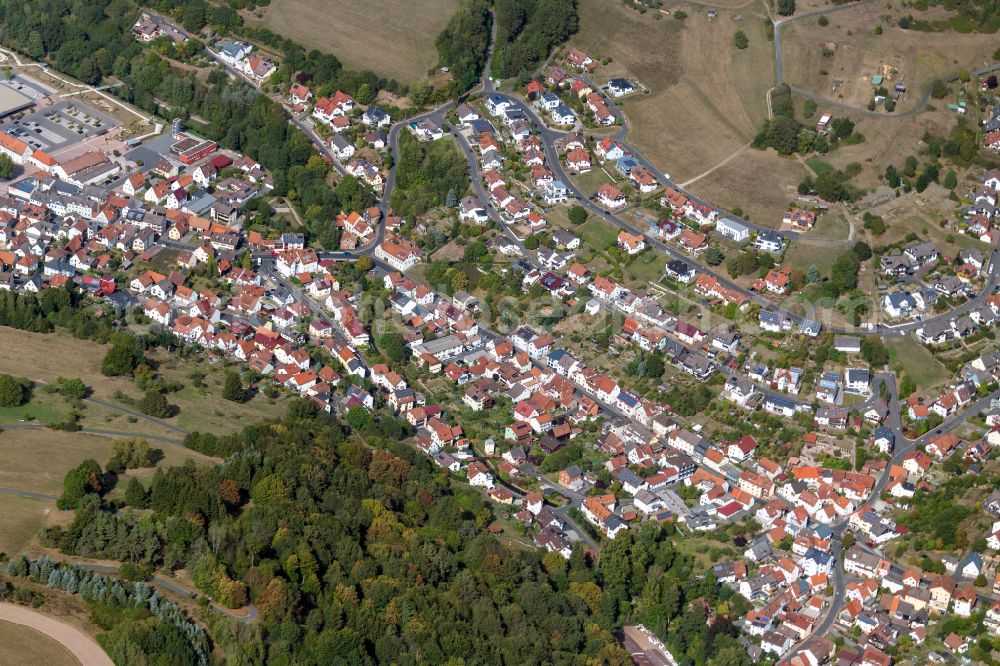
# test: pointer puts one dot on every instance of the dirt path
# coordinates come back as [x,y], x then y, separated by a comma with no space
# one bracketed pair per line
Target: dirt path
[717,166]
[82,646]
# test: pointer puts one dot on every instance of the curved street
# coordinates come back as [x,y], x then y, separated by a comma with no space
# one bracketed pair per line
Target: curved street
[903,445]
[883,380]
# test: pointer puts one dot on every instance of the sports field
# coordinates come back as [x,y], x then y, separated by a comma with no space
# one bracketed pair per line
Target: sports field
[20,644]
[392,38]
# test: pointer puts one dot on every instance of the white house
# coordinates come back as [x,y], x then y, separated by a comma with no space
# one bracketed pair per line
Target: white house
[732,229]
[555,192]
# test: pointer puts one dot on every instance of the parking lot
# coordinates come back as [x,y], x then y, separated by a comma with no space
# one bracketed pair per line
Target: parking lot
[60,126]
[152,151]
[28,86]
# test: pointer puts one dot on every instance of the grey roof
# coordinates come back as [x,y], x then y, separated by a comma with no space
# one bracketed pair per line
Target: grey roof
[847,341]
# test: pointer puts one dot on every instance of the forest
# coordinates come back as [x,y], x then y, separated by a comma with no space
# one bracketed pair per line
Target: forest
[428,175]
[528,30]
[356,549]
[463,44]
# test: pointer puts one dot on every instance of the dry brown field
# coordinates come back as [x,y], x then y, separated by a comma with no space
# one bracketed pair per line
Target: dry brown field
[389,37]
[857,54]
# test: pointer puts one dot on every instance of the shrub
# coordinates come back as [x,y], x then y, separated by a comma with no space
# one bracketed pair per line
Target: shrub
[154,404]
[13,390]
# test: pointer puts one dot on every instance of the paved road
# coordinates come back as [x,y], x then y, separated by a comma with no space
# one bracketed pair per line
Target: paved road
[83,648]
[549,137]
[28,494]
[138,415]
[246,614]
[903,447]
[780,23]
[93,431]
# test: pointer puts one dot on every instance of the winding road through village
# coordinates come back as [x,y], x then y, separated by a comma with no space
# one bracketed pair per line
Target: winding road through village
[884,380]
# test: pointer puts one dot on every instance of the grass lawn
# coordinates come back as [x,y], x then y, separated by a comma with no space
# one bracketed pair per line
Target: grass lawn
[702,549]
[593,179]
[43,407]
[47,408]
[22,519]
[44,357]
[818,166]
[918,363]
[598,234]
[802,254]
[164,261]
[832,225]
[23,645]
[647,267]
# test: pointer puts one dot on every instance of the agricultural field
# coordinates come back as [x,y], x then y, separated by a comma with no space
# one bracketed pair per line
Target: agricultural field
[44,357]
[839,60]
[393,39]
[707,98]
[21,644]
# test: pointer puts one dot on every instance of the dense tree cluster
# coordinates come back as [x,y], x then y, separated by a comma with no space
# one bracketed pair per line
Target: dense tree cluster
[426,173]
[141,627]
[937,516]
[123,356]
[968,16]
[130,453]
[463,44]
[14,390]
[787,135]
[356,549]
[527,30]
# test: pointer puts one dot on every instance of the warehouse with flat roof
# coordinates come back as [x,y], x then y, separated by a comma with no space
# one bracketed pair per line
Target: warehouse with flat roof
[12,101]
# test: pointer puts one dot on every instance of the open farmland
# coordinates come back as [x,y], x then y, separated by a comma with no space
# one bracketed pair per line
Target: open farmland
[707,98]
[854,54]
[389,37]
